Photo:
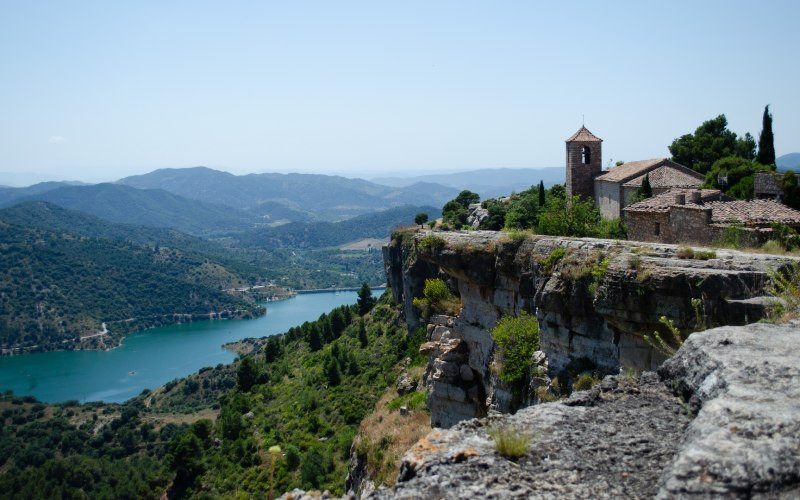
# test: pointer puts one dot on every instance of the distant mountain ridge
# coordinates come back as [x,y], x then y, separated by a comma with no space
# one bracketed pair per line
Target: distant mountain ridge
[487,182]
[325,197]
[146,207]
[790,161]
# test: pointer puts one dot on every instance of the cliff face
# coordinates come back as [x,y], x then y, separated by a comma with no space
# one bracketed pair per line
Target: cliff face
[594,299]
[737,435]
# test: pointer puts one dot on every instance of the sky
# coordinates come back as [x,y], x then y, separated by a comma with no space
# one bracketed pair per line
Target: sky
[96,91]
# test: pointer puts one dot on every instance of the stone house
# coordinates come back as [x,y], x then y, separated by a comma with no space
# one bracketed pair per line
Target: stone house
[703,217]
[769,185]
[615,188]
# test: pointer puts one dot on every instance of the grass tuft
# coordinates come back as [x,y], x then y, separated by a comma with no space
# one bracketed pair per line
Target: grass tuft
[509,442]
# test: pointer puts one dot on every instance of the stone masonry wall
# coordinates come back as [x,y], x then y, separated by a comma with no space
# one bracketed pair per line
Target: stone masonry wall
[580,177]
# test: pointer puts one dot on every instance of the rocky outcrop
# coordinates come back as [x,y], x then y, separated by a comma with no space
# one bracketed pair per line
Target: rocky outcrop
[594,299]
[737,434]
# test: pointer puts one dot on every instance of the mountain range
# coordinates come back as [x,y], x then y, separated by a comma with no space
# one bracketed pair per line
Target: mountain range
[321,197]
[790,161]
[487,182]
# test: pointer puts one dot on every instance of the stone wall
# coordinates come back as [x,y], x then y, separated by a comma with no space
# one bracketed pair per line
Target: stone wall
[608,198]
[601,318]
[580,177]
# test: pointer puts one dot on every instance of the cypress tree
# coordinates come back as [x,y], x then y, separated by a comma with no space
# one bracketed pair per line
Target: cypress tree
[647,190]
[766,144]
[541,193]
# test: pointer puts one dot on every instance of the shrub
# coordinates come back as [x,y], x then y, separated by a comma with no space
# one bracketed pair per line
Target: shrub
[659,344]
[510,443]
[584,382]
[432,244]
[517,339]
[554,257]
[436,297]
[785,287]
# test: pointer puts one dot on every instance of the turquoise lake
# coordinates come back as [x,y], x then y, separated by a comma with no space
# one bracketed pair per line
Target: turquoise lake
[150,358]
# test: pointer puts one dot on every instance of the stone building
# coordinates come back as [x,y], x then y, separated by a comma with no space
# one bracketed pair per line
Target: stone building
[769,185]
[614,189]
[703,217]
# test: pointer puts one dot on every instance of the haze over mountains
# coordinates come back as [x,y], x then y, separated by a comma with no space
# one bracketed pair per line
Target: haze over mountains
[487,182]
[789,161]
[324,197]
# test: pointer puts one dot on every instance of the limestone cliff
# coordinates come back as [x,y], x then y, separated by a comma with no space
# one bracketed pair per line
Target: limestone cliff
[737,437]
[594,299]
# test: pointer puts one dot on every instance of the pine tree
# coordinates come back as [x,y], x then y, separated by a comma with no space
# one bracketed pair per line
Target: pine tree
[365,299]
[362,334]
[647,190]
[766,144]
[541,193]
[314,340]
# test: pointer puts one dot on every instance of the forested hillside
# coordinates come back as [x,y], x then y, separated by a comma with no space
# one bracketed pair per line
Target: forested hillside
[145,207]
[305,392]
[329,234]
[58,286]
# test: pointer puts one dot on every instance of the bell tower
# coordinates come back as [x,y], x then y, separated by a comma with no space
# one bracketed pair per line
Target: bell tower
[584,163]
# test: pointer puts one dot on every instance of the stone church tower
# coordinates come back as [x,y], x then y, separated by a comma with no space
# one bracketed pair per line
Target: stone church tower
[584,156]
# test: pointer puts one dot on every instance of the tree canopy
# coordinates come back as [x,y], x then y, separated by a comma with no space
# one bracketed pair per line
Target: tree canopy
[710,142]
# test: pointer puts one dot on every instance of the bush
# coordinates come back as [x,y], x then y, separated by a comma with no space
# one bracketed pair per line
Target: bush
[584,382]
[431,244]
[516,339]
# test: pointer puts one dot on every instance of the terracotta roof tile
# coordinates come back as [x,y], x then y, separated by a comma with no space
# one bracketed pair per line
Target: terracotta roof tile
[583,135]
[663,201]
[724,210]
[629,170]
[753,212]
[670,176]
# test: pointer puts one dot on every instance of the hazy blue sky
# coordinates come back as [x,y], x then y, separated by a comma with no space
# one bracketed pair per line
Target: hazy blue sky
[100,90]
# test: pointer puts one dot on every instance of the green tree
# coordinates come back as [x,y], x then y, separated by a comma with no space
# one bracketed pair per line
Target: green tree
[365,299]
[332,373]
[186,459]
[646,190]
[455,211]
[569,218]
[766,145]
[314,338]
[523,211]
[247,374]
[362,334]
[710,142]
[541,194]
[734,175]
[466,198]
[421,218]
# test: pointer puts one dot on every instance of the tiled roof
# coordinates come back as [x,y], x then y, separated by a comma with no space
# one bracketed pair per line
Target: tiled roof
[768,183]
[724,210]
[663,201]
[753,212]
[583,135]
[670,176]
[628,171]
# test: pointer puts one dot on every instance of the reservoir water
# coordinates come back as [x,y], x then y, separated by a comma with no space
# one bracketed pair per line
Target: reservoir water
[150,358]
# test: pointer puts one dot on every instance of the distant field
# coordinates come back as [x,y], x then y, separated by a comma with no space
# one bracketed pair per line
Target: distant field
[365,244]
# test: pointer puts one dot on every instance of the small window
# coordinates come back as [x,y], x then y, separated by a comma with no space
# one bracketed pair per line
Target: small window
[657,229]
[586,155]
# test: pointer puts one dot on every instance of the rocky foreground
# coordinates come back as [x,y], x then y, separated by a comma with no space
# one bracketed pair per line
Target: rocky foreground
[720,418]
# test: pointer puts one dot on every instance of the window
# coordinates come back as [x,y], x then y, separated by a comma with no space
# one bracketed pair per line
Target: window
[657,229]
[586,155]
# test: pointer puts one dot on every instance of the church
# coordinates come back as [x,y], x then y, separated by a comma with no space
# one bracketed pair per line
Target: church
[616,188]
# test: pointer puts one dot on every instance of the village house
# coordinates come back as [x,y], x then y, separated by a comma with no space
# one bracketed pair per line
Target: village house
[704,216]
[614,189]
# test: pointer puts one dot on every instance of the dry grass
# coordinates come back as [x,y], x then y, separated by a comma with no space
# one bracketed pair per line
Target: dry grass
[384,436]
[509,442]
